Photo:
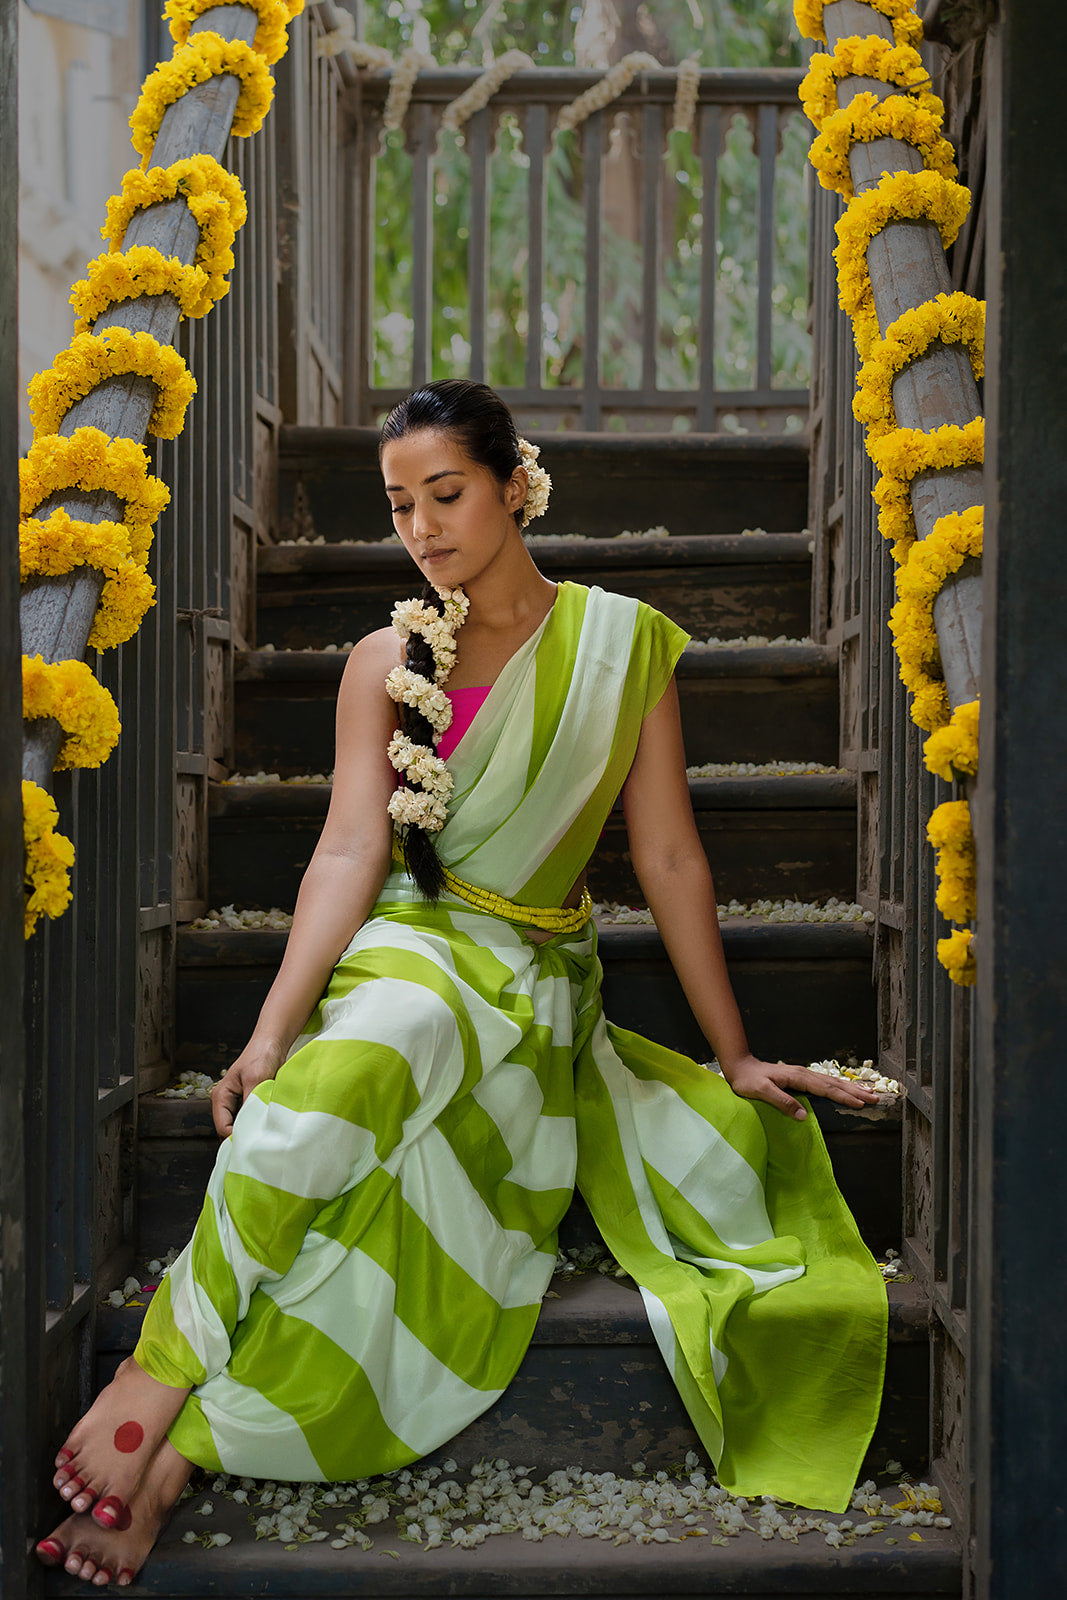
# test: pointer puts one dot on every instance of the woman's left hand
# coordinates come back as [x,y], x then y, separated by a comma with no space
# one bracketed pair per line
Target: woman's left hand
[765,1080]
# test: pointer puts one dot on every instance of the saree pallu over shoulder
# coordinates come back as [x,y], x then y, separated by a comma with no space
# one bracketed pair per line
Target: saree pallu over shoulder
[378,1233]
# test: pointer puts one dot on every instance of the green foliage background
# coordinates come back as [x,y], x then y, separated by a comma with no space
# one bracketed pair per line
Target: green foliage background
[724,33]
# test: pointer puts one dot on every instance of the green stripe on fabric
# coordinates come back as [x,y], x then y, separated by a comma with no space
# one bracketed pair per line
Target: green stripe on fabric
[191,1436]
[270,1223]
[303,1372]
[556,656]
[655,646]
[162,1350]
[436,1299]
[359,1081]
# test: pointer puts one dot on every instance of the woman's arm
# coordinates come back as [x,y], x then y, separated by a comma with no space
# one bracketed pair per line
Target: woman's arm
[673,872]
[343,878]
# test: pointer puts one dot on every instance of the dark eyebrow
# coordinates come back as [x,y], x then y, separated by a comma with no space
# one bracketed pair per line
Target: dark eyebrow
[449,472]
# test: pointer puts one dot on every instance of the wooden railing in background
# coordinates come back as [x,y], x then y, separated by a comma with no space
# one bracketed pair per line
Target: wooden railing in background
[595,348]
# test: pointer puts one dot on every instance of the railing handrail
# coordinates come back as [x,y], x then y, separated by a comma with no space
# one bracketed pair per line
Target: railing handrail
[552,85]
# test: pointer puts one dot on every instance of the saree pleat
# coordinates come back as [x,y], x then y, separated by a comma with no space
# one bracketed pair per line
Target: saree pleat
[380,1229]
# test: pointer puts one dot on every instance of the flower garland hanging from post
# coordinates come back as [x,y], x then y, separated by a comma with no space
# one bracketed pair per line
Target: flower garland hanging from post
[88,460]
[913,116]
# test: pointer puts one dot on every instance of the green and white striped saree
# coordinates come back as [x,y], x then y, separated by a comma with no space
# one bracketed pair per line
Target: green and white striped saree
[379,1231]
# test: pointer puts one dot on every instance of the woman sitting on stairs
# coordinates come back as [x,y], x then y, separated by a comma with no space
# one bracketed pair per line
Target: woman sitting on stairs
[432,1074]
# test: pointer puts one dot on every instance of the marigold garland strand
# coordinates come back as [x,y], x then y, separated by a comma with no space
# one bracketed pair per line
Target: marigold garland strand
[88,459]
[912,116]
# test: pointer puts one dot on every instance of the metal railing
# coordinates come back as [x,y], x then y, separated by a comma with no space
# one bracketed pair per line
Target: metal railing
[620,275]
[924,1021]
[100,980]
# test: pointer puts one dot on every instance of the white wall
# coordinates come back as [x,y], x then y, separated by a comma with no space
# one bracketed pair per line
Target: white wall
[77,87]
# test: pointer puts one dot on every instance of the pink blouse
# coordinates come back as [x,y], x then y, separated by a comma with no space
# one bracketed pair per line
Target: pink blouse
[466,703]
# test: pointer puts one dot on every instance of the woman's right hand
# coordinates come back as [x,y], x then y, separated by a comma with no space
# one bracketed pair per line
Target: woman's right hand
[255,1065]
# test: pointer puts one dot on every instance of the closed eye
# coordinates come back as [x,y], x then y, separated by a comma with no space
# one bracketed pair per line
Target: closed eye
[447,499]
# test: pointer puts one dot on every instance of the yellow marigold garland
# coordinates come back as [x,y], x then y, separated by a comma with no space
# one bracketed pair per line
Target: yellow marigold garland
[205,56]
[898,197]
[92,358]
[67,691]
[951,541]
[113,278]
[915,121]
[216,203]
[59,543]
[854,57]
[907,29]
[902,455]
[957,957]
[951,318]
[954,748]
[49,857]
[949,831]
[88,459]
[271,40]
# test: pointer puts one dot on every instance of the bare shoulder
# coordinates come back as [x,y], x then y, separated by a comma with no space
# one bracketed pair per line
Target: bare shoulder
[374,656]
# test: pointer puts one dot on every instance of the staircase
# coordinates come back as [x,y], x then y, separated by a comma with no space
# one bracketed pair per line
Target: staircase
[593,1389]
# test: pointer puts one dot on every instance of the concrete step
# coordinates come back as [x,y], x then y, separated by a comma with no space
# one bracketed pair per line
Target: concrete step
[788,837]
[726,585]
[803,988]
[508,1565]
[329,484]
[593,1387]
[763,703]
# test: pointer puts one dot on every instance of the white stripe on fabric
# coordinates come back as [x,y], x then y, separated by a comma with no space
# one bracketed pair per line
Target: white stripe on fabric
[543,1149]
[312,1154]
[715,1179]
[421,1399]
[618,1080]
[763,1278]
[246,1426]
[438,1189]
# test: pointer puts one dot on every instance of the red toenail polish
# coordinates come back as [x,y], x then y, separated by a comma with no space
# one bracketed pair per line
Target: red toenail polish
[63,1457]
[111,1512]
[51,1547]
[129,1437]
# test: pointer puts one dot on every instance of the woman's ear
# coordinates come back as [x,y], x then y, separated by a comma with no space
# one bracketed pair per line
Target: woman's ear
[516,489]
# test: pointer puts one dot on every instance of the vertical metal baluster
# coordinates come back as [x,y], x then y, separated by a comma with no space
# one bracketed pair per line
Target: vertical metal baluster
[422,246]
[592,158]
[535,139]
[478,138]
[768,149]
[62,1196]
[651,167]
[709,134]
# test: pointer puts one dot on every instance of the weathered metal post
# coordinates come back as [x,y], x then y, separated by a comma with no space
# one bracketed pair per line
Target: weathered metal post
[57,613]
[13,1242]
[907,267]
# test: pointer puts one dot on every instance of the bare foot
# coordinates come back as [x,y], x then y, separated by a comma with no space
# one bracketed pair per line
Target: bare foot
[109,1450]
[116,1554]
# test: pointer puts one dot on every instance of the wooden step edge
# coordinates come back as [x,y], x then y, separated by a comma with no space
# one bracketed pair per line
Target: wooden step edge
[590,1309]
[355,449]
[364,557]
[508,1565]
[811,791]
[167,1118]
[800,660]
[744,938]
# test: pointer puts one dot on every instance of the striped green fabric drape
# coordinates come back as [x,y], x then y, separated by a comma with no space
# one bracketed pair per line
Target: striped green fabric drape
[379,1231]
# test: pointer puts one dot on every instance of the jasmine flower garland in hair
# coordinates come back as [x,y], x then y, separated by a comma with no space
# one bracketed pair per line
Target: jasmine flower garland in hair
[427,806]
[538,480]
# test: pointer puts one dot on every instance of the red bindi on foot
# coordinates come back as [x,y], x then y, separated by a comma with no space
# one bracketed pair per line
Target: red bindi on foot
[129,1437]
[111,1513]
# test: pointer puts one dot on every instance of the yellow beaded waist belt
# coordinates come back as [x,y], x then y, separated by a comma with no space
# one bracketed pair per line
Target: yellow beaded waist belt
[550,919]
